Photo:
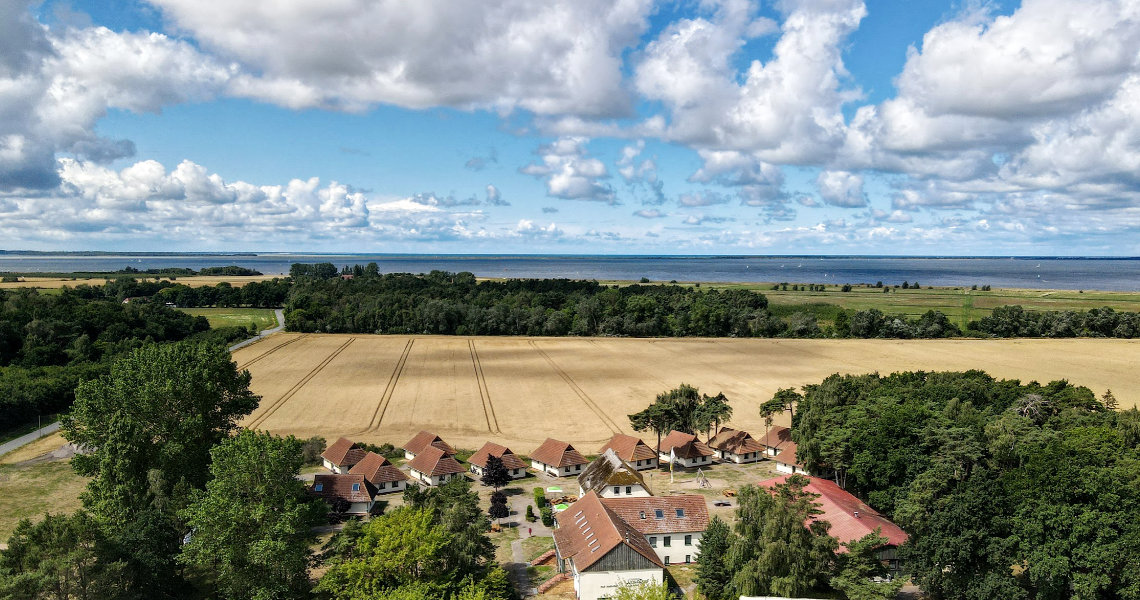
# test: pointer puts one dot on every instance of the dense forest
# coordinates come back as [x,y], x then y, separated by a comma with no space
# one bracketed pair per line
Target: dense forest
[1008,490]
[49,342]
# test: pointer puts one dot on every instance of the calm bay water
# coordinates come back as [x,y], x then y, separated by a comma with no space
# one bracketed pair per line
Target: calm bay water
[1041,273]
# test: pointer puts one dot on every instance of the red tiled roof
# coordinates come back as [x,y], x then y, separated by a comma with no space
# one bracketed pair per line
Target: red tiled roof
[588,531]
[433,461]
[510,461]
[839,508]
[787,455]
[343,453]
[557,454]
[777,437]
[629,448]
[684,445]
[377,469]
[339,486]
[424,439]
[642,513]
[735,441]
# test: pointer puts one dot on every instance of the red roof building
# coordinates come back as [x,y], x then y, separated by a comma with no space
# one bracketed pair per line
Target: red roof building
[684,449]
[632,450]
[345,493]
[736,446]
[775,440]
[421,441]
[433,466]
[601,551]
[786,461]
[557,458]
[672,524]
[341,455]
[383,476]
[478,461]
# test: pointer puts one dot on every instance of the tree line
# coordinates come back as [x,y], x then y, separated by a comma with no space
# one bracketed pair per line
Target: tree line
[1007,490]
[183,503]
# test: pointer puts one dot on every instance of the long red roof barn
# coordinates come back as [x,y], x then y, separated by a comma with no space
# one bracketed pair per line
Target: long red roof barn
[850,517]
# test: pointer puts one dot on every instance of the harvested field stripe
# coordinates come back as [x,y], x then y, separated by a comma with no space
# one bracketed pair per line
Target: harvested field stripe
[300,384]
[606,420]
[386,398]
[484,393]
[271,351]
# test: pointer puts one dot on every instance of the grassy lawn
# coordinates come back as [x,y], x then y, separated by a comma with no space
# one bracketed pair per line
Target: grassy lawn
[263,318]
[30,491]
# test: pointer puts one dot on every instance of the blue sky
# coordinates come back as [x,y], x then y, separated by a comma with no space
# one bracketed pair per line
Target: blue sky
[589,126]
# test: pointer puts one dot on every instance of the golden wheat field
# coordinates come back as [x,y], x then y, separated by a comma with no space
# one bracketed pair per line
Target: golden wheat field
[519,391]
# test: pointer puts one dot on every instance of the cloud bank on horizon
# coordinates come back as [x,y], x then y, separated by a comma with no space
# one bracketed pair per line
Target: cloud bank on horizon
[600,126]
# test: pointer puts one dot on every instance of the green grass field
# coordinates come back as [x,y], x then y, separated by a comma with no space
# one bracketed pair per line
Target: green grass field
[242,317]
[28,491]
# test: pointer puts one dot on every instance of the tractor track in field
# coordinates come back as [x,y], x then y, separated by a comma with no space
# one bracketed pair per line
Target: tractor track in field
[582,395]
[389,390]
[271,351]
[268,412]
[484,393]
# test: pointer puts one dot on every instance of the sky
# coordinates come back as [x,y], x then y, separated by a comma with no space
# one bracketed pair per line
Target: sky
[900,127]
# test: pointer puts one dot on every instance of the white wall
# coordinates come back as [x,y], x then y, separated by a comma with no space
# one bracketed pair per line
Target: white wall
[634,491]
[390,486]
[515,473]
[689,462]
[409,455]
[641,465]
[790,469]
[594,585]
[747,457]
[555,471]
[677,550]
[438,479]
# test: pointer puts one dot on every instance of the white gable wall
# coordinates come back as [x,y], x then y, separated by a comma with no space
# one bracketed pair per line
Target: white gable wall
[677,550]
[594,585]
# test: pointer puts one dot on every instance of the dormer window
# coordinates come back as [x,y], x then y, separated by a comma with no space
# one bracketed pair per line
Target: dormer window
[319,487]
[356,487]
[642,514]
[660,514]
[680,513]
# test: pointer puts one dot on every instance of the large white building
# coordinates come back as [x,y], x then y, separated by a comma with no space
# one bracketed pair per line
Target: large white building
[673,525]
[612,477]
[601,552]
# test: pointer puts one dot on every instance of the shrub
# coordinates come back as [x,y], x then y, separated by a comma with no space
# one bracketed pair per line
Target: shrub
[530,514]
[539,497]
[311,450]
[548,516]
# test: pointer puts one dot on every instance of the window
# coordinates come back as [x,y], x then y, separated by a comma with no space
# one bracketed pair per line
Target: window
[617,490]
[666,560]
[668,541]
[356,487]
[680,513]
[628,490]
[318,487]
[639,463]
[688,558]
[660,514]
[577,467]
[383,485]
[641,514]
[688,542]
[652,542]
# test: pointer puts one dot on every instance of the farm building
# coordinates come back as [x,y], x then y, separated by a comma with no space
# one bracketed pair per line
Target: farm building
[632,450]
[422,441]
[341,456]
[786,461]
[478,461]
[602,552]
[434,466]
[383,476]
[851,519]
[612,477]
[672,524]
[776,440]
[736,445]
[345,493]
[684,449]
[557,458]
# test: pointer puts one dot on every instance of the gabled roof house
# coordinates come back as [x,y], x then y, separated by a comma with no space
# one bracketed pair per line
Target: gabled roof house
[736,445]
[776,440]
[556,458]
[344,492]
[422,441]
[684,449]
[433,466]
[612,477]
[600,551]
[383,476]
[672,524]
[514,465]
[341,455]
[632,450]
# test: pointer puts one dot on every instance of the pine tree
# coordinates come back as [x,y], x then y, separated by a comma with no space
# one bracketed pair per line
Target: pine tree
[712,572]
[495,474]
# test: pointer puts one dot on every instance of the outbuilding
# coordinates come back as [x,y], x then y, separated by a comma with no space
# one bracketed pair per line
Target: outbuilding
[383,476]
[612,477]
[736,445]
[601,552]
[341,456]
[557,458]
[685,450]
[433,466]
[632,450]
[514,465]
[672,524]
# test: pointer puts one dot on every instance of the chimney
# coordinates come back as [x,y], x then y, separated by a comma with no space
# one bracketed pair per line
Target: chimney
[856,514]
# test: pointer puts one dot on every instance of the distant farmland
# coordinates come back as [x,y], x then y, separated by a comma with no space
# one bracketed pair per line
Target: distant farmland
[521,390]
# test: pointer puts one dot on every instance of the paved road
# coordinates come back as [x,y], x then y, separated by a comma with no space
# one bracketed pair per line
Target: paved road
[7,447]
[264,332]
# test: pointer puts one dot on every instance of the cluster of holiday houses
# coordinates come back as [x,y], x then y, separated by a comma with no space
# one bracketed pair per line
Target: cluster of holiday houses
[618,532]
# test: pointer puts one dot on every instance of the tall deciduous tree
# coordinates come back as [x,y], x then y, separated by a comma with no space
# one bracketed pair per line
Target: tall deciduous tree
[62,556]
[860,573]
[495,474]
[252,525]
[712,571]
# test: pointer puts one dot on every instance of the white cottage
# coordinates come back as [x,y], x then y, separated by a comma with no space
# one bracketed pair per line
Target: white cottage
[341,456]
[345,493]
[632,450]
[433,466]
[424,440]
[383,476]
[557,458]
[672,524]
[601,552]
[736,446]
[685,450]
[786,461]
[612,477]
[514,465]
